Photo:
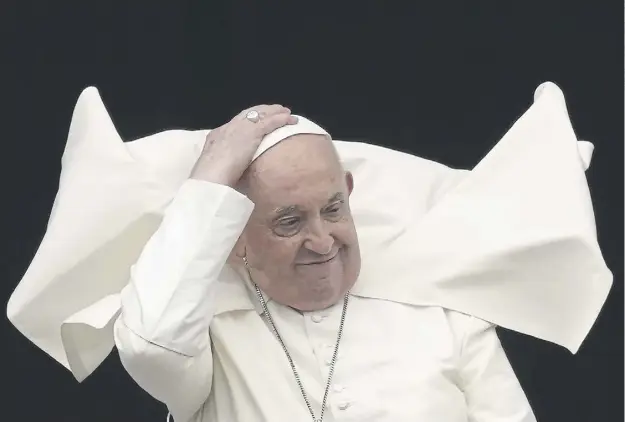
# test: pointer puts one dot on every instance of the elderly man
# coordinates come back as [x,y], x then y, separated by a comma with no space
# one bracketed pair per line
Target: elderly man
[262,271]
[309,350]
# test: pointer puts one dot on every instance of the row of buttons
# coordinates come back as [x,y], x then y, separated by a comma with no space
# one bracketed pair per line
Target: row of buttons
[336,388]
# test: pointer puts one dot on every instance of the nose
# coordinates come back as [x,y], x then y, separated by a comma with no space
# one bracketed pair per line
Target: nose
[319,239]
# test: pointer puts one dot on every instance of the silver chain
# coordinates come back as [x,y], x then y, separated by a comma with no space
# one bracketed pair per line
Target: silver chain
[288,355]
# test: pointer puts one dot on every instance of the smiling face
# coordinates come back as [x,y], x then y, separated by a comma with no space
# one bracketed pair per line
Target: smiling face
[300,241]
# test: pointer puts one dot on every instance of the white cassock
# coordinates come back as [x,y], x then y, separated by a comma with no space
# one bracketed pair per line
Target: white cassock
[134,256]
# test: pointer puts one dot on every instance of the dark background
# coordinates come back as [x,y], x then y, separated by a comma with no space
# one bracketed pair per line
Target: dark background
[443,80]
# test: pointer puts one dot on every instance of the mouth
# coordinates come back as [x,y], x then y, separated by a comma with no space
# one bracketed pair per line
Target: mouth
[324,261]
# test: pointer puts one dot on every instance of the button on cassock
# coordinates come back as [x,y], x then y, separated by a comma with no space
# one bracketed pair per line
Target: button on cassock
[316,318]
[343,405]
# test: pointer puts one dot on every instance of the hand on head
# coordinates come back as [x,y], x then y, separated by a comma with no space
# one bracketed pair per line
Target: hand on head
[229,149]
[300,243]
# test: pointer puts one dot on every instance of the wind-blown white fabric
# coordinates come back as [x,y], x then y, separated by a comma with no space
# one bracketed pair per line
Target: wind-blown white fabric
[512,242]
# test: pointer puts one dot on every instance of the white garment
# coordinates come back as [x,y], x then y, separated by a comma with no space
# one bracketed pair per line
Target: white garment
[512,242]
[397,362]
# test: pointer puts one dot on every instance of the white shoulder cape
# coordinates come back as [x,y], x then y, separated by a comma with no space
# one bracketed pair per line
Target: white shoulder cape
[512,242]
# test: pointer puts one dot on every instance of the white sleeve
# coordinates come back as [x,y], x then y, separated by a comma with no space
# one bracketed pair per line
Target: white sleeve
[491,388]
[162,332]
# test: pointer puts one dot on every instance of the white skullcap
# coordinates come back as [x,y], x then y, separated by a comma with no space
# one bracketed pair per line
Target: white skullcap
[303,126]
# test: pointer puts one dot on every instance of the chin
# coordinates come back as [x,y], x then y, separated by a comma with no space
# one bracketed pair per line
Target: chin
[323,297]
[317,306]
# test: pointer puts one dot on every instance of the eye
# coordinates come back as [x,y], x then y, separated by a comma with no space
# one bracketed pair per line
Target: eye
[289,222]
[287,227]
[334,209]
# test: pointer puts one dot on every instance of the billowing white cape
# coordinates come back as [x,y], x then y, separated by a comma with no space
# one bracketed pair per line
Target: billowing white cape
[512,242]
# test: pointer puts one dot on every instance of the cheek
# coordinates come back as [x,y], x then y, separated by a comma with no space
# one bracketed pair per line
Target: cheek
[270,250]
[345,232]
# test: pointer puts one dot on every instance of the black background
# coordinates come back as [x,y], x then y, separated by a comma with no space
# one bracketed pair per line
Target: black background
[443,80]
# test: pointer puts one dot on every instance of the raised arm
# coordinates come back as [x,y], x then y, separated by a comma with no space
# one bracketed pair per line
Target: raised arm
[162,333]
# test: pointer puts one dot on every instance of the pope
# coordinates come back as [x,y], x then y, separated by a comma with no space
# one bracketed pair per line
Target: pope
[294,277]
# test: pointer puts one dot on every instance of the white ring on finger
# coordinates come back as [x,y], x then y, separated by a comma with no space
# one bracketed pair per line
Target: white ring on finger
[253,116]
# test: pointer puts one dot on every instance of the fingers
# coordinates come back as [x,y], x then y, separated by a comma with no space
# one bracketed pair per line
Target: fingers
[272,110]
[273,122]
[265,110]
[272,117]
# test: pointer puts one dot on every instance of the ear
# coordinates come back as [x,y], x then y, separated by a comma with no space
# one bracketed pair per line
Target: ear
[349,181]
[235,258]
[238,252]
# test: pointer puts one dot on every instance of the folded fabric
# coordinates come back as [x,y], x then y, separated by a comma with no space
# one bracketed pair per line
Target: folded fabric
[512,242]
